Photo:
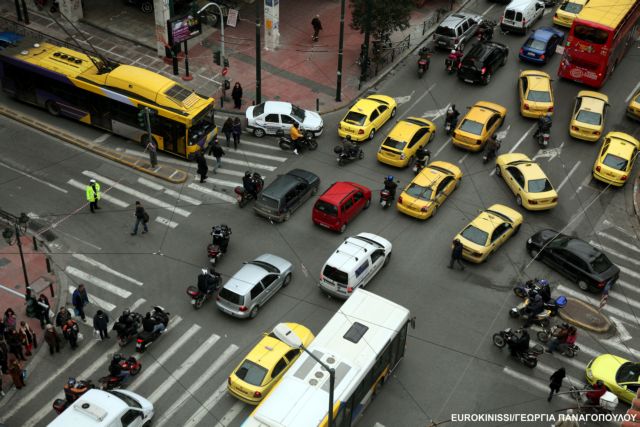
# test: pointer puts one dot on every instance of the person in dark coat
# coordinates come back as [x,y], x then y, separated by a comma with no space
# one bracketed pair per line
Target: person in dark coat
[141,218]
[217,152]
[456,254]
[317,26]
[52,338]
[80,299]
[556,382]
[10,320]
[202,166]
[15,370]
[28,337]
[62,317]
[15,344]
[43,312]
[4,356]
[100,323]
[236,131]
[227,129]
[236,94]
[71,331]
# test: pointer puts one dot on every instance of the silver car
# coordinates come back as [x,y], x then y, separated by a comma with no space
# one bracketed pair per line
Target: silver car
[252,286]
[275,117]
[456,30]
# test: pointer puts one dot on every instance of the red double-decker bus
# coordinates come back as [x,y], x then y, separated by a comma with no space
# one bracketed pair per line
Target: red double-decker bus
[599,37]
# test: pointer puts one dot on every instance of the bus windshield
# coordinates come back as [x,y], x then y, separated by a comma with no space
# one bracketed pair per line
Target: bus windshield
[590,34]
[203,123]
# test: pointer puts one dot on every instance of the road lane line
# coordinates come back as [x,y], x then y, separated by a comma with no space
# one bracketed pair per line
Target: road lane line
[254,154]
[522,138]
[635,354]
[231,414]
[417,100]
[184,367]
[103,196]
[249,165]
[102,138]
[488,9]
[627,286]
[626,101]
[202,380]
[213,193]
[169,192]
[96,281]
[138,194]
[566,178]
[623,334]
[619,241]
[55,187]
[540,385]
[258,144]
[463,158]
[207,406]
[96,301]
[620,255]
[550,370]
[223,182]
[166,222]
[607,223]
[629,272]
[106,268]
[442,148]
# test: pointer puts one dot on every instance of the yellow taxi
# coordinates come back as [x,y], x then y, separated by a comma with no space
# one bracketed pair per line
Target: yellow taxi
[536,95]
[366,117]
[265,364]
[587,121]
[567,11]
[488,231]
[480,122]
[527,181]
[429,189]
[633,109]
[620,376]
[616,158]
[407,136]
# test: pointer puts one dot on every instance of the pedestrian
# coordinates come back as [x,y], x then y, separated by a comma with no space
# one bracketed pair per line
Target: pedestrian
[70,330]
[9,318]
[15,344]
[227,129]
[317,26]
[1,390]
[236,131]
[62,317]
[52,338]
[153,153]
[236,94]
[4,356]
[202,166]
[217,152]
[3,327]
[556,382]
[31,303]
[93,195]
[456,254]
[142,217]
[100,322]
[567,421]
[28,337]
[79,299]
[43,308]
[15,370]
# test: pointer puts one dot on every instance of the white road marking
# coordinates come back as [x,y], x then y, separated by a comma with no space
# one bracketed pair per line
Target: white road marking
[102,138]
[522,138]
[549,370]
[502,134]
[417,100]
[96,281]
[55,187]
[463,158]
[213,193]
[231,414]
[488,9]
[222,182]
[254,154]
[257,144]
[623,348]
[623,315]
[623,334]
[138,194]
[184,367]
[202,379]
[626,101]
[96,301]
[627,286]
[629,272]
[404,99]
[627,233]
[434,114]
[549,153]
[249,165]
[538,384]
[618,254]
[619,241]
[165,221]
[442,148]
[566,178]
[106,268]
[103,196]
[588,350]
[169,192]
[204,409]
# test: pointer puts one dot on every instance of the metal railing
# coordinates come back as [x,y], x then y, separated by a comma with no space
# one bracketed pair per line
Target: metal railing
[387,55]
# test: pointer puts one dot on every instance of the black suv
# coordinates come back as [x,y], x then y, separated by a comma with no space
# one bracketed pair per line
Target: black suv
[482,61]
[574,258]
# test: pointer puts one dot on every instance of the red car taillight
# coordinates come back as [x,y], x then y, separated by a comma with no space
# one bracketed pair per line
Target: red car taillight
[139,340]
[484,70]
[361,131]
[424,209]
[533,202]
[257,394]
[400,200]
[595,132]
[349,289]
[623,178]
[526,106]
[598,168]
[242,308]
[574,128]
[542,56]
[550,109]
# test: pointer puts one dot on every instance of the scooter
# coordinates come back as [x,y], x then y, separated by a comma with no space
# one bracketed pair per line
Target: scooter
[568,350]
[386,198]
[242,196]
[551,309]
[529,358]
[145,339]
[220,240]
[485,31]
[451,63]
[306,142]
[73,389]
[543,138]
[198,298]
[418,165]
[528,289]
[130,364]
[490,153]
[126,333]
[450,123]
[423,63]
[347,156]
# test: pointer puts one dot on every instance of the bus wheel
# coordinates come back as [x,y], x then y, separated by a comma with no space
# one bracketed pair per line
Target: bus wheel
[53,108]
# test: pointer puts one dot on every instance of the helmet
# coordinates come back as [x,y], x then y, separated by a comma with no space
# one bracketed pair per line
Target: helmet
[204,271]
[390,178]
[117,357]
[599,383]
[92,181]
[126,312]
[543,282]
[247,174]
[453,51]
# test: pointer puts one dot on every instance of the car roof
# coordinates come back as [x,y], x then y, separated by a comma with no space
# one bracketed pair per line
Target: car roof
[479,114]
[366,106]
[531,170]
[267,352]
[581,248]
[338,191]
[280,186]
[353,249]
[621,148]
[245,279]
[490,218]
[537,81]
[95,408]
[405,129]
[278,107]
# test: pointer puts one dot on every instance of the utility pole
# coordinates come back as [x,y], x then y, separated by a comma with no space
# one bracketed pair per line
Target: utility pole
[367,30]
[258,53]
[340,44]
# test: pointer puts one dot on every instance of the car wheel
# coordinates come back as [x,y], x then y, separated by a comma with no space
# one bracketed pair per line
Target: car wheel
[434,211]
[254,312]
[53,108]
[314,190]
[258,133]
[343,227]
[287,280]
[487,79]
[583,285]
[498,171]
[287,216]
[534,253]
[519,200]
[393,112]
[372,134]
[146,6]
[367,204]
[504,61]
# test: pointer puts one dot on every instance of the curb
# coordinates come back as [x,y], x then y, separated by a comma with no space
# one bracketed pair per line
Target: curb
[584,325]
[177,177]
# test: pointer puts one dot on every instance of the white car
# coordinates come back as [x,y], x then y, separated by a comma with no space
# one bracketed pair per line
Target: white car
[272,117]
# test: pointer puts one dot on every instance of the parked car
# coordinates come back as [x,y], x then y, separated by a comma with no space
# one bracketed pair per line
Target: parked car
[456,30]
[407,136]
[273,117]
[253,285]
[482,61]
[587,121]
[574,258]
[616,158]
[340,204]
[541,45]
[366,117]
[282,197]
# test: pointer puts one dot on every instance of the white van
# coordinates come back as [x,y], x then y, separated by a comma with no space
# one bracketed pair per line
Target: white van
[115,408]
[520,15]
[353,264]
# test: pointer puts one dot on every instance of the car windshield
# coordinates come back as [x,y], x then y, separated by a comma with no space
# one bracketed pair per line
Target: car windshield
[535,44]
[392,143]
[590,34]
[539,185]
[571,7]
[419,192]
[559,242]
[589,117]
[355,118]
[471,127]
[475,235]
[336,275]
[538,96]
[130,401]
[615,162]
[268,267]
[251,373]
[203,124]
[298,113]
[258,110]
[231,296]
[269,202]
[628,372]
[327,208]
[601,263]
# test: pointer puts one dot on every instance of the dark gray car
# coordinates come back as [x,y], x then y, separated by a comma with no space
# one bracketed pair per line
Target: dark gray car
[284,195]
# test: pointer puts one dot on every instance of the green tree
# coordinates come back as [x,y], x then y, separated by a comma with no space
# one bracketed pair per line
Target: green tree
[386,16]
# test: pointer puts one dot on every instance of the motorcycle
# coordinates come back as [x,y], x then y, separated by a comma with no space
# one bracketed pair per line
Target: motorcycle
[145,339]
[418,165]
[490,153]
[386,198]
[198,298]
[529,358]
[551,309]
[451,63]
[130,364]
[568,350]
[73,389]
[347,156]
[485,31]
[423,63]
[528,289]
[306,142]
[220,240]
[125,332]
[242,196]
[450,123]
[543,138]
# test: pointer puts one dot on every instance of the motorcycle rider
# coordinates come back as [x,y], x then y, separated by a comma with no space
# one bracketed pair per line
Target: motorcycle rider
[424,53]
[220,235]
[296,137]
[124,324]
[559,337]
[390,185]
[452,116]
[151,324]
[534,308]
[115,370]
[423,156]
[456,55]
[349,148]
[544,125]
[492,147]
[544,290]
[249,184]
[519,344]
[598,391]
[207,280]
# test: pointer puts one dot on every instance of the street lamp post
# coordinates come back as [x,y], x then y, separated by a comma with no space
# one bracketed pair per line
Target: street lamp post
[340,47]
[287,336]
[221,26]
[8,234]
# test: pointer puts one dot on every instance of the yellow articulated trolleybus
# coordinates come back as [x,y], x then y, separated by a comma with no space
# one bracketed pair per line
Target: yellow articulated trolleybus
[363,342]
[108,95]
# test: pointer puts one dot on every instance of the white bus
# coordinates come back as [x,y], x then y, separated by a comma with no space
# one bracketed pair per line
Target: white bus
[363,342]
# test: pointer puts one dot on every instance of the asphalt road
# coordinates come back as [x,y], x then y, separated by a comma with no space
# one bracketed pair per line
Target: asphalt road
[450,367]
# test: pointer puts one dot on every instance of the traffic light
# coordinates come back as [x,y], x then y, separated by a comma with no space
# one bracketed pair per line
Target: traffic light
[226,61]
[216,57]
[142,118]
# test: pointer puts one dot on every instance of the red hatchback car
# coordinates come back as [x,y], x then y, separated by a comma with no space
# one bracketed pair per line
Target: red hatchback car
[340,204]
